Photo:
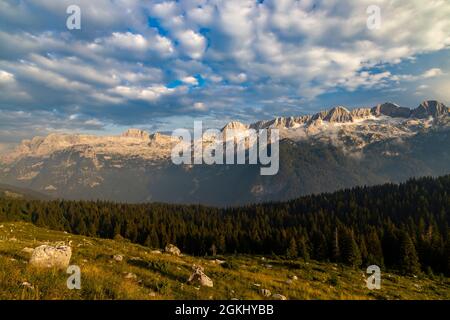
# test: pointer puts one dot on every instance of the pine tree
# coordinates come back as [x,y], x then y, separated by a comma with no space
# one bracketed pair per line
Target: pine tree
[349,249]
[335,254]
[374,249]
[303,249]
[292,251]
[408,260]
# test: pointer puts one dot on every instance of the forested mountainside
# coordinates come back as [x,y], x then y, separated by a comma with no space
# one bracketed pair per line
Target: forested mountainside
[402,227]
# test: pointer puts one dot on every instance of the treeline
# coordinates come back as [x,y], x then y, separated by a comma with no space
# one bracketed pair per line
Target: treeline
[402,227]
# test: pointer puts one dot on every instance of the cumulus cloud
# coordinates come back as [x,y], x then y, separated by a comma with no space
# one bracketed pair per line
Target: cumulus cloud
[243,59]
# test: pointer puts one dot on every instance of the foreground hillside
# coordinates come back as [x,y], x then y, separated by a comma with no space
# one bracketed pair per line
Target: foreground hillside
[146,274]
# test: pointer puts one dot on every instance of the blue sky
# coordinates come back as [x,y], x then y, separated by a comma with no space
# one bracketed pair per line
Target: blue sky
[160,65]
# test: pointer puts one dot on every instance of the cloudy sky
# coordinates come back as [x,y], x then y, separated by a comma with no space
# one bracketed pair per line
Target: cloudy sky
[159,65]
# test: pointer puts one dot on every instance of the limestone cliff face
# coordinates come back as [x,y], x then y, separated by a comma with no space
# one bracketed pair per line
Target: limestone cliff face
[430,109]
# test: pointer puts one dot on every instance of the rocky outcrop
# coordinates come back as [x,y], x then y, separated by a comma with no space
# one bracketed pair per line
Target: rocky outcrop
[391,110]
[361,113]
[172,249]
[47,256]
[136,134]
[338,114]
[199,277]
[430,108]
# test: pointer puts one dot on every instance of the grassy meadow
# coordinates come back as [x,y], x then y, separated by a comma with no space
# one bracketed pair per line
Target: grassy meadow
[145,273]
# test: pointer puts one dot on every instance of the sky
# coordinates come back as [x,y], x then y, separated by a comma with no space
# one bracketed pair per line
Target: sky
[160,65]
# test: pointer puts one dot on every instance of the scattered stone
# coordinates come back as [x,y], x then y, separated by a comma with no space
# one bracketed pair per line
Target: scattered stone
[219,262]
[152,294]
[289,281]
[200,277]
[170,248]
[130,275]
[266,292]
[294,277]
[51,257]
[27,285]
[257,284]
[155,252]
[136,259]
[118,257]
[278,296]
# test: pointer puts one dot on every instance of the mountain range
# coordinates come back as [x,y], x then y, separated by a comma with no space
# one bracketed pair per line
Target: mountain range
[323,152]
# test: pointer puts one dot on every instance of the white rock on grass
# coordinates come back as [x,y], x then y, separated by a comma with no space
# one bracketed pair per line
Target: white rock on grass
[47,256]
[172,249]
[278,296]
[200,277]
[118,257]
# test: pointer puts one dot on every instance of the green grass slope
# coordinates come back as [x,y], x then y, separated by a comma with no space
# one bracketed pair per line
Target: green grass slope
[145,274]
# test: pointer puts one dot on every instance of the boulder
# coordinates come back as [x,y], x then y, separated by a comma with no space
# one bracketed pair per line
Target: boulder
[200,277]
[172,249]
[47,256]
[131,276]
[118,257]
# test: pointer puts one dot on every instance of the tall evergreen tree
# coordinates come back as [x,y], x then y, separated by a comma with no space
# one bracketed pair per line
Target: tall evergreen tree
[408,260]
[349,249]
[292,251]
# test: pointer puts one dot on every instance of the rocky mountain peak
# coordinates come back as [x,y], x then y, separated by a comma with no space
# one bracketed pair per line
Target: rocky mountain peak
[235,125]
[336,114]
[136,133]
[361,113]
[391,110]
[430,108]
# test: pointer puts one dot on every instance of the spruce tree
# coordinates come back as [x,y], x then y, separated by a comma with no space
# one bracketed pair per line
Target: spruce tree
[408,260]
[292,251]
[349,249]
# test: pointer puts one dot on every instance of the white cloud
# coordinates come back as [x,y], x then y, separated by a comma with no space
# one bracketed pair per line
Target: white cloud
[431,73]
[273,55]
[6,77]
[150,94]
[193,44]
[200,106]
[190,80]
